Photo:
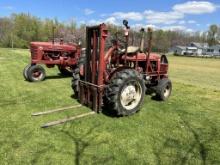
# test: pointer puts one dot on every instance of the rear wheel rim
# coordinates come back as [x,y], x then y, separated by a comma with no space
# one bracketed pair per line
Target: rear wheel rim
[130,96]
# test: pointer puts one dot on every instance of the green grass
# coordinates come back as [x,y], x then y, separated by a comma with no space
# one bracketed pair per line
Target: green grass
[183,130]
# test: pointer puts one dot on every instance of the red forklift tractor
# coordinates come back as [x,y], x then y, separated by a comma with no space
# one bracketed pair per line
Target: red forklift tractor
[117,78]
[65,56]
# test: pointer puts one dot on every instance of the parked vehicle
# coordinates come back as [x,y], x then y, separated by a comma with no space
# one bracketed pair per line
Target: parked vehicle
[62,55]
[118,78]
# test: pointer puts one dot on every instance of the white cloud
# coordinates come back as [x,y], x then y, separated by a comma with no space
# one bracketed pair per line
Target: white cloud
[190,30]
[174,28]
[94,22]
[88,11]
[177,28]
[8,7]
[137,27]
[152,26]
[182,22]
[111,20]
[103,15]
[82,22]
[191,22]
[195,7]
[167,20]
[136,16]
[155,17]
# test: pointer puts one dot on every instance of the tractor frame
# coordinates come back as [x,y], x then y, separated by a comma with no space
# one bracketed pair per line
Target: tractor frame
[105,72]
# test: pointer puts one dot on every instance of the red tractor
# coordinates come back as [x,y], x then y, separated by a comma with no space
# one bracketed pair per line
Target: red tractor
[117,78]
[65,56]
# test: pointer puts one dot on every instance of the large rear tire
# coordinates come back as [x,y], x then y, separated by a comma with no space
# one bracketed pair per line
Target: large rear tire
[125,92]
[76,73]
[36,73]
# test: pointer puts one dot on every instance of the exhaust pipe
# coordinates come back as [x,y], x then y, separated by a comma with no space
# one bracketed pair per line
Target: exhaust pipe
[142,39]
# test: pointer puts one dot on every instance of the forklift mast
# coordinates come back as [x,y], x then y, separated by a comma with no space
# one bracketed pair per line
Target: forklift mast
[91,88]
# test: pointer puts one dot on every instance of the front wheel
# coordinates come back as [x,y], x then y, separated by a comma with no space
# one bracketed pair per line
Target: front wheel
[125,93]
[25,72]
[36,73]
[65,71]
[76,73]
[164,89]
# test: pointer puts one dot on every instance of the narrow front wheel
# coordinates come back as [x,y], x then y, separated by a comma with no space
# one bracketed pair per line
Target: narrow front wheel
[25,72]
[36,73]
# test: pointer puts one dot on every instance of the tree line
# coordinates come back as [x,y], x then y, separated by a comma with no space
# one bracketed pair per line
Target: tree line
[18,30]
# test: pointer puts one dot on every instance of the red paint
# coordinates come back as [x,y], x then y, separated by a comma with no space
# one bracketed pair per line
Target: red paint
[65,54]
[101,66]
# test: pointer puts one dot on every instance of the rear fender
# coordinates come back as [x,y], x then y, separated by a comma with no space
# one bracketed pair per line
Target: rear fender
[116,71]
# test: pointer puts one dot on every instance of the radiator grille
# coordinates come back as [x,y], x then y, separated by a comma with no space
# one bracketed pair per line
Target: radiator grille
[33,52]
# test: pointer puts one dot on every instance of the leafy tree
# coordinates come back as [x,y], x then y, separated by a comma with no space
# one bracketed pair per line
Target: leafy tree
[19,30]
[212,35]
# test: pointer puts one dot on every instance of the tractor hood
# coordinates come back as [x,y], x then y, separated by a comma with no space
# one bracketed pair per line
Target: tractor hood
[142,57]
[53,47]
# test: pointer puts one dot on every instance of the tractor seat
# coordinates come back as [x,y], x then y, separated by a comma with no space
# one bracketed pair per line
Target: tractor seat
[131,50]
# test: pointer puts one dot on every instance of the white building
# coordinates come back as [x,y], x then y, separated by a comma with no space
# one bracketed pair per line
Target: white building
[214,50]
[185,50]
[193,48]
[201,47]
[178,50]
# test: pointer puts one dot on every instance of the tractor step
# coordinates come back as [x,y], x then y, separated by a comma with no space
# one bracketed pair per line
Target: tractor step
[58,122]
[55,110]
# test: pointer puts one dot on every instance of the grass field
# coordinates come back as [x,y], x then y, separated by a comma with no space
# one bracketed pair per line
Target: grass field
[183,130]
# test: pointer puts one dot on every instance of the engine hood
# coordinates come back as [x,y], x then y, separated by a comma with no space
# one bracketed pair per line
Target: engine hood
[142,57]
[53,47]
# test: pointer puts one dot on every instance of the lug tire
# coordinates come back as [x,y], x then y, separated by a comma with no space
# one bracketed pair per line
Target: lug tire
[25,72]
[76,73]
[36,73]
[164,89]
[114,92]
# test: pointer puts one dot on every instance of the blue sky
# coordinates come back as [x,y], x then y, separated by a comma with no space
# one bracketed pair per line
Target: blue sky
[164,14]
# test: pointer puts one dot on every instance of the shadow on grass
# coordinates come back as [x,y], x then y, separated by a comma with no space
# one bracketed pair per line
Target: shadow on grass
[105,110]
[73,96]
[58,76]
[196,148]
[108,112]
[153,95]
[81,141]
[156,98]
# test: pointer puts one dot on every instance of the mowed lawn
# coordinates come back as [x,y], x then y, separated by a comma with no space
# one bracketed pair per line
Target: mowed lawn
[183,130]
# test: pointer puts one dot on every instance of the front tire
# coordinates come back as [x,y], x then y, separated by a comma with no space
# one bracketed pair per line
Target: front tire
[36,73]
[76,73]
[65,71]
[25,72]
[125,92]
[164,89]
